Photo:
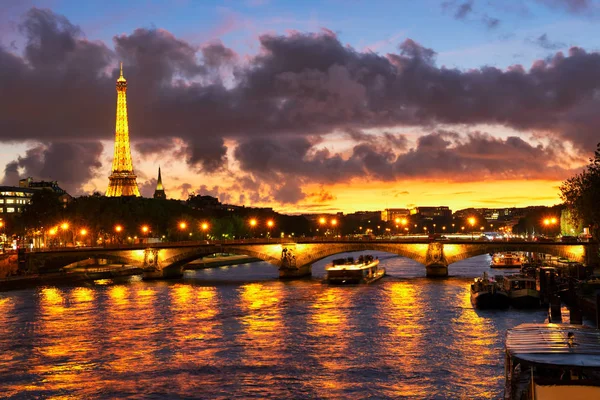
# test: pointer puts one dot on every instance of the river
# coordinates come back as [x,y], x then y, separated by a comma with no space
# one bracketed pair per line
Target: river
[239,332]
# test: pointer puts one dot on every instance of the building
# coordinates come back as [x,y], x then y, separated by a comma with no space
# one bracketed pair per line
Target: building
[159,192]
[14,198]
[52,185]
[122,180]
[431,216]
[390,214]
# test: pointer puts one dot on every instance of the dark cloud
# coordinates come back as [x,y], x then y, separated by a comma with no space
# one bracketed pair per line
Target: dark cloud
[300,86]
[71,164]
[148,187]
[288,192]
[438,155]
[463,9]
[546,43]
[574,6]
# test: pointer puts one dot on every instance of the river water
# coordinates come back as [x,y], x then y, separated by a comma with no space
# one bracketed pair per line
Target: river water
[239,332]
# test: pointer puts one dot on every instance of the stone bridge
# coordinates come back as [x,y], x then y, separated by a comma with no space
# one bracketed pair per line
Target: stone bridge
[294,259]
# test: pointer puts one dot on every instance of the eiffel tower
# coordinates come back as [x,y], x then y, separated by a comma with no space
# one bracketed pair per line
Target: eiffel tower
[122,180]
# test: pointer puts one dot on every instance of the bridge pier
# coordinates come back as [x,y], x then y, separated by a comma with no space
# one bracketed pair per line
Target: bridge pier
[436,270]
[152,269]
[436,265]
[167,273]
[295,273]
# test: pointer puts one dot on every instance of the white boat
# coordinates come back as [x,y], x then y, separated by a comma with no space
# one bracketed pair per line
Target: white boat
[552,362]
[522,291]
[507,260]
[346,270]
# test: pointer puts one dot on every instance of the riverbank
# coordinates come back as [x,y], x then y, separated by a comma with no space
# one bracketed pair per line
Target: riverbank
[77,275]
[219,261]
[92,273]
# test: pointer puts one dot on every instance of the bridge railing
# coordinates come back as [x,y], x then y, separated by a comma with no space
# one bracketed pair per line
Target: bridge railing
[316,239]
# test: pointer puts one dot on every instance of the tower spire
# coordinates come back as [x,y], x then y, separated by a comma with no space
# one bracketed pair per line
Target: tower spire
[159,193]
[122,180]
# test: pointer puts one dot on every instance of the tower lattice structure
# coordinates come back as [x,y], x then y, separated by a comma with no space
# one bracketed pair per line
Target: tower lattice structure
[122,180]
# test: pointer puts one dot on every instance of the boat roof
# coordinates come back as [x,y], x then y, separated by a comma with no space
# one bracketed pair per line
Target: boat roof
[333,267]
[550,344]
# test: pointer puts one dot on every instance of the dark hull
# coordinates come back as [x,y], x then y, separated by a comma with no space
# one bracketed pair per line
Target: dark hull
[525,301]
[487,300]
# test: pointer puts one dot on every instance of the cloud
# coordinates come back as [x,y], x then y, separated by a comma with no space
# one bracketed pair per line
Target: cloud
[546,43]
[71,164]
[465,10]
[298,87]
[573,6]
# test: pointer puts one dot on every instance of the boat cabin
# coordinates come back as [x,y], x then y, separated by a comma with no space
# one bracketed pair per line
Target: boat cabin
[552,362]
[518,282]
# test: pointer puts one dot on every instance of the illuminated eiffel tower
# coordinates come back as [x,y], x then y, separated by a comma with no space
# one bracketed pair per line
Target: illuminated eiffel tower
[122,180]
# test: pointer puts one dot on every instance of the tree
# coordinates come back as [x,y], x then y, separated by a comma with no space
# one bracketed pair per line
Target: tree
[581,195]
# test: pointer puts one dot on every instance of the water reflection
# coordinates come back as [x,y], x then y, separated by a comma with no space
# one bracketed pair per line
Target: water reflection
[404,336]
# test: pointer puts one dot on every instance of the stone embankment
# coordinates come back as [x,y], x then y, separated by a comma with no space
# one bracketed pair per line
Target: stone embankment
[219,261]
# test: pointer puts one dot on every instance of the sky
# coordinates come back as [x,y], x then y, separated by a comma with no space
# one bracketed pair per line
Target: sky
[306,106]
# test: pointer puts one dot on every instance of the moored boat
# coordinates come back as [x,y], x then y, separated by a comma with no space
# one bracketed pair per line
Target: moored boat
[552,361]
[346,270]
[522,291]
[507,260]
[486,293]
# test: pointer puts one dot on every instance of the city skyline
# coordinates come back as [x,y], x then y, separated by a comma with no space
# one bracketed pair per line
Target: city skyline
[306,114]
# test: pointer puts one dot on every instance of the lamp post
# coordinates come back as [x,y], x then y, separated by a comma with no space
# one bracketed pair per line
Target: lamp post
[183,227]
[145,230]
[472,222]
[118,230]
[269,225]
[83,233]
[65,226]
[204,228]
[333,225]
[253,223]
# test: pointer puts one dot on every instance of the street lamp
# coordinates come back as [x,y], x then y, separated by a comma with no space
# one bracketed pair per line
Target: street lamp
[270,225]
[204,228]
[118,230]
[64,226]
[83,233]
[472,222]
[252,225]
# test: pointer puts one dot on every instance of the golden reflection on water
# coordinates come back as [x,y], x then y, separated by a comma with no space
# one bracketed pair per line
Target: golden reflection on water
[329,329]
[404,344]
[130,336]
[193,311]
[65,348]
[473,339]
[263,332]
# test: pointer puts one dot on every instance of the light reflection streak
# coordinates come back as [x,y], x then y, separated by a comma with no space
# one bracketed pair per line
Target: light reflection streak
[262,336]
[66,349]
[195,330]
[331,336]
[403,346]
[473,338]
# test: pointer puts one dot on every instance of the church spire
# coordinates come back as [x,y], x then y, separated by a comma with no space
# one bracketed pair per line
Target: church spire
[159,193]
[122,180]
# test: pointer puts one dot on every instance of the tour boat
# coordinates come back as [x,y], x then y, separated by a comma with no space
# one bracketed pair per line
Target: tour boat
[345,270]
[487,293]
[552,361]
[507,260]
[522,291]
